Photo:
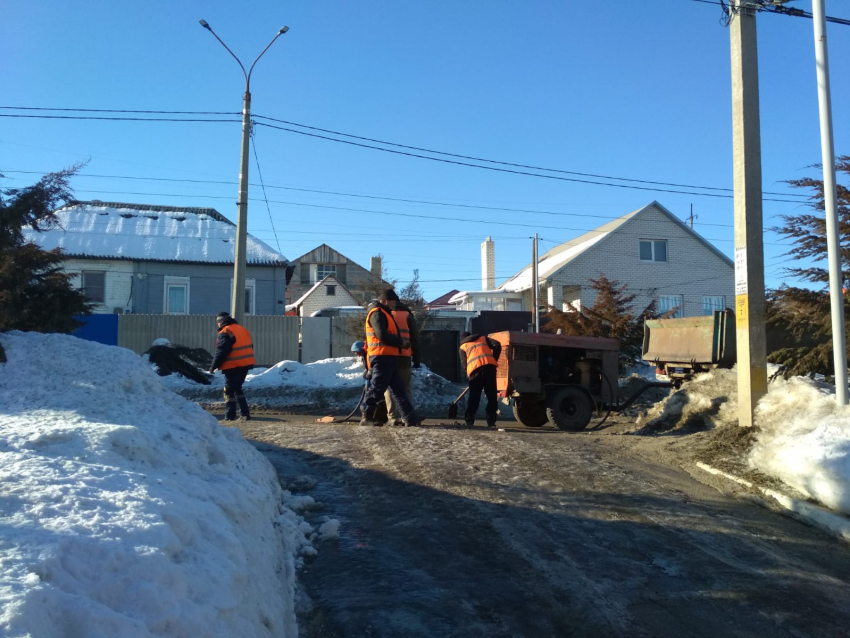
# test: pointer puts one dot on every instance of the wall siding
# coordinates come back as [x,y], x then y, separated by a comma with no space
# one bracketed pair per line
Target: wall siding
[692,269]
[319,299]
[118,281]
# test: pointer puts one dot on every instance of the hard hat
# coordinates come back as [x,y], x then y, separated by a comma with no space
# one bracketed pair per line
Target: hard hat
[358,346]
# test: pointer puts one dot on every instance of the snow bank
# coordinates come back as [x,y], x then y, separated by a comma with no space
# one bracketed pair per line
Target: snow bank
[708,400]
[804,440]
[128,511]
[329,384]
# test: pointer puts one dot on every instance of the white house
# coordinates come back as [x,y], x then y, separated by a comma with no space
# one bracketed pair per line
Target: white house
[654,253]
[327,293]
[162,259]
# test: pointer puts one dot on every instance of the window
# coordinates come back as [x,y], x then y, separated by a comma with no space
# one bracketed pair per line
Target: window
[250,295]
[323,270]
[330,291]
[710,304]
[666,303]
[653,250]
[94,284]
[176,296]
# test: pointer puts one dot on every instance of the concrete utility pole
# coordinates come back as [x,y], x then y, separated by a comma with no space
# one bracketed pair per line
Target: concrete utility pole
[237,299]
[836,277]
[535,285]
[749,246]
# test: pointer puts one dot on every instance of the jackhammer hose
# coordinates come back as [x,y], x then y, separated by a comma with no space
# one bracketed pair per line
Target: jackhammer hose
[610,395]
[356,407]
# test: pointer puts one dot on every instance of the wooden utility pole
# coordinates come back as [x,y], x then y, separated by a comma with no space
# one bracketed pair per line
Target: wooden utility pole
[749,246]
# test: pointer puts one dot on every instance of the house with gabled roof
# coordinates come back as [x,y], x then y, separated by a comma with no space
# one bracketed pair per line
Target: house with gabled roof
[650,250]
[312,267]
[139,258]
[327,293]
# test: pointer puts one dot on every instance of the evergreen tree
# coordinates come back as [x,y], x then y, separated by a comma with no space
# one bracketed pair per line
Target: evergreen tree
[610,316]
[804,313]
[35,294]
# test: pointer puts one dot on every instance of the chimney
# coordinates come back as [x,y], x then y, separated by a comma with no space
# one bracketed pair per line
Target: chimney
[488,265]
[376,267]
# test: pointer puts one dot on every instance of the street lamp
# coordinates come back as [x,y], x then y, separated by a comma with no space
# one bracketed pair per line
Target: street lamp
[237,305]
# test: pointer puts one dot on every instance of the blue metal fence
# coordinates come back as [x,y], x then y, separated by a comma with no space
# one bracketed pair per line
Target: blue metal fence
[100,328]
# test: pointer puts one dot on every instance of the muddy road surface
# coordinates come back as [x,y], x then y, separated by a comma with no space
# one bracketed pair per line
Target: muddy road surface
[461,532]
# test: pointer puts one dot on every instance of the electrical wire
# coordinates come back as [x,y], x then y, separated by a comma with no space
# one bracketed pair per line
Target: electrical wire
[112,119]
[260,175]
[510,171]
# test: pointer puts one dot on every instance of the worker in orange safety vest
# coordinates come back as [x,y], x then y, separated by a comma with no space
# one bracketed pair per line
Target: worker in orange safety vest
[479,356]
[409,357]
[234,356]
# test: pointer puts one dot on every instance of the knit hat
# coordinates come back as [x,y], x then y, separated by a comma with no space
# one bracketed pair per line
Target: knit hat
[222,316]
[388,295]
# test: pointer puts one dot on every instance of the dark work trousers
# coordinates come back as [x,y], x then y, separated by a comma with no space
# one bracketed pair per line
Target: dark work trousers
[385,375]
[233,380]
[484,378]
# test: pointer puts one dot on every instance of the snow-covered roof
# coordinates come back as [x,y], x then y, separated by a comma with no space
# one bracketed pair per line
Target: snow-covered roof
[149,233]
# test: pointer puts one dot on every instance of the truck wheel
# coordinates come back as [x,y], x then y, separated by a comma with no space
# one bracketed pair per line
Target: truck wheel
[569,408]
[531,414]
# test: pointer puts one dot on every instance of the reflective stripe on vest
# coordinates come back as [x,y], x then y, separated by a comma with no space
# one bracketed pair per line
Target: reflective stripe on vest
[400,317]
[478,354]
[242,352]
[375,347]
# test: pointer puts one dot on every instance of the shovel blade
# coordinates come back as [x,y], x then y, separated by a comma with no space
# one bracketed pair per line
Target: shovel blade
[453,411]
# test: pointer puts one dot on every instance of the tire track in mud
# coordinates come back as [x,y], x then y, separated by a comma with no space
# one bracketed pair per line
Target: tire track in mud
[483,533]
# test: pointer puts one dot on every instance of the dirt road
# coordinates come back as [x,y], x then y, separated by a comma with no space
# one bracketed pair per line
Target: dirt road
[470,532]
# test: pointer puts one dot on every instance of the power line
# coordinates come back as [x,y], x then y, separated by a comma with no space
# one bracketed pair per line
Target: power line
[113,119]
[40,108]
[260,175]
[344,194]
[501,163]
[769,7]
[506,170]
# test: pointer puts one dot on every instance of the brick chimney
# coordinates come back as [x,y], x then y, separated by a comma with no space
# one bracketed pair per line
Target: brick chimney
[488,265]
[376,266]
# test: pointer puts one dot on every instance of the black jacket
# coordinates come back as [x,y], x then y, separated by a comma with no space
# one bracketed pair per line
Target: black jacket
[495,346]
[223,345]
[378,322]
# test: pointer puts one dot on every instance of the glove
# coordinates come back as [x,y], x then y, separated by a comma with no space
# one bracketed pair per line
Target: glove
[405,345]
[367,374]
[212,370]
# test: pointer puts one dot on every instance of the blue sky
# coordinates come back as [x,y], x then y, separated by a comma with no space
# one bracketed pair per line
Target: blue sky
[617,88]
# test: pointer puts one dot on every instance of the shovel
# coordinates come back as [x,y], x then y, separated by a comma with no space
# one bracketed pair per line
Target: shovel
[453,406]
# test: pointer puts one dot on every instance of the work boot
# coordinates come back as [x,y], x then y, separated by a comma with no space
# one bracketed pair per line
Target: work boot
[370,422]
[491,423]
[398,423]
[469,424]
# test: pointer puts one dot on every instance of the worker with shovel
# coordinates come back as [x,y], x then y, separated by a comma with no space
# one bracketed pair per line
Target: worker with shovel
[384,345]
[478,355]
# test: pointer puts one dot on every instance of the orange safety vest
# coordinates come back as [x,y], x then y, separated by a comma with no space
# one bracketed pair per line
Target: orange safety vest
[478,354]
[400,317]
[242,353]
[374,347]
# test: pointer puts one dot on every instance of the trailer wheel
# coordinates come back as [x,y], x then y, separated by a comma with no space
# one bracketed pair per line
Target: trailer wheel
[531,414]
[569,408]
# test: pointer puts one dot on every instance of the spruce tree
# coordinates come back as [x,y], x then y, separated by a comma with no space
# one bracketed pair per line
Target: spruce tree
[804,313]
[611,315]
[35,294]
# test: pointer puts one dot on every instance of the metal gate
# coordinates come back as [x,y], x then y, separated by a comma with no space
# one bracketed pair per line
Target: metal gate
[315,339]
[440,352]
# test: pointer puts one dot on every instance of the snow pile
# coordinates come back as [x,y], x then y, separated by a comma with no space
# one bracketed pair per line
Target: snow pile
[326,385]
[128,511]
[804,440]
[708,400]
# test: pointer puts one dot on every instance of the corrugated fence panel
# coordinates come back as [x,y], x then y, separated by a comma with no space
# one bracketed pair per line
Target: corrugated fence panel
[275,337]
[344,332]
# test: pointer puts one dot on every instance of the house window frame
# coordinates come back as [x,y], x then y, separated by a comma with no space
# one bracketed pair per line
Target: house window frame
[706,311]
[250,296]
[330,290]
[176,282]
[681,305]
[322,268]
[652,243]
[84,288]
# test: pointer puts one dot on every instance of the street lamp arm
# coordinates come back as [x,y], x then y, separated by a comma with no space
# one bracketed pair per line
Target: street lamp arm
[262,53]
[209,28]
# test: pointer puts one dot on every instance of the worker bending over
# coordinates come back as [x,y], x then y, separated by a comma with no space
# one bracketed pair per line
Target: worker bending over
[478,355]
